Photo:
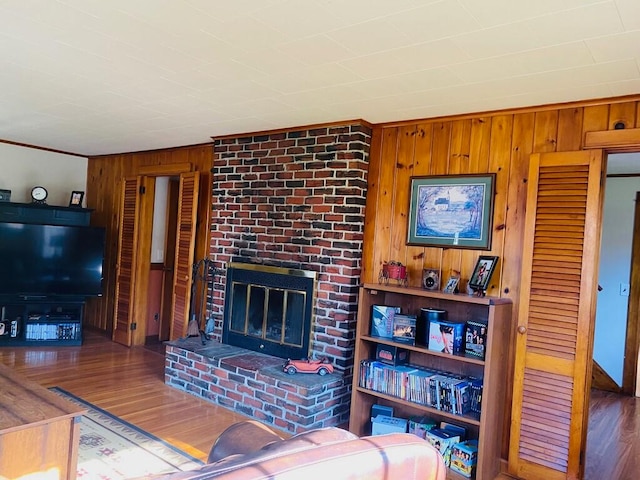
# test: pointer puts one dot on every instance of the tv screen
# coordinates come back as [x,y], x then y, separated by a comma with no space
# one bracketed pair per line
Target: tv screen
[51,259]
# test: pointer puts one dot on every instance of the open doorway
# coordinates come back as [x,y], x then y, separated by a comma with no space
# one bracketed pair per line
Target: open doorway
[163,249]
[615,349]
[134,257]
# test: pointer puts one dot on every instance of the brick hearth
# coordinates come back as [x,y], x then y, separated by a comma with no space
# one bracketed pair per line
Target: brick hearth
[254,384]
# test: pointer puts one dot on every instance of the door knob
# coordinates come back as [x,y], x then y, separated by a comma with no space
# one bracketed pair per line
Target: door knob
[522,329]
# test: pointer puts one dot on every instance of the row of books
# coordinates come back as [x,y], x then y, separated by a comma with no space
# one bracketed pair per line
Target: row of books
[48,331]
[457,394]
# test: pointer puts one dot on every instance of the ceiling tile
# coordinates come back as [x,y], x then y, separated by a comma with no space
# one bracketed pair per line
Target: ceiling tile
[543,59]
[630,13]
[615,47]
[407,59]
[309,78]
[317,50]
[434,21]
[501,40]
[354,12]
[578,24]
[296,21]
[498,12]
[370,37]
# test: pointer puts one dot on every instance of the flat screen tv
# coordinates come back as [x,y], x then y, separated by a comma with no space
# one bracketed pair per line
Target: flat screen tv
[51,260]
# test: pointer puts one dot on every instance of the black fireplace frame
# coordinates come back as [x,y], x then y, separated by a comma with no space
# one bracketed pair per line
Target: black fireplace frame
[270,277]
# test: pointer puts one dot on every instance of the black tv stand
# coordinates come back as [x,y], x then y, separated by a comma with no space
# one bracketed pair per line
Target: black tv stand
[41,319]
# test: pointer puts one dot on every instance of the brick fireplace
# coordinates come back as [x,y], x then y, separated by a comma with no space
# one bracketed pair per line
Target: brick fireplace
[291,199]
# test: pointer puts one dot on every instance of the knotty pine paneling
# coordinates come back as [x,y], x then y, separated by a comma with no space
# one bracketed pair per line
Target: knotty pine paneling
[104,176]
[499,142]
[623,112]
[421,167]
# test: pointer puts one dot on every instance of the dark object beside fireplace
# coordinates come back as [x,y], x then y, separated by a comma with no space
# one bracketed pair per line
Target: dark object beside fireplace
[269,309]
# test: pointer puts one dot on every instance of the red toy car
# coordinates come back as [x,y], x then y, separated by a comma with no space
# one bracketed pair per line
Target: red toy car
[321,367]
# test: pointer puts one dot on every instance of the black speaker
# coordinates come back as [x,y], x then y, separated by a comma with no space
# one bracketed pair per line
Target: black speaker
[427,315]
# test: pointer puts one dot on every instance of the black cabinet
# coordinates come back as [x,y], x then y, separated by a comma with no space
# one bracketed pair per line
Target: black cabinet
[33,321]
[46,214]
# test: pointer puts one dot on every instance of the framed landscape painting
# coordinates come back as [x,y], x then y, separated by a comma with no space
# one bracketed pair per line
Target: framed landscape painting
[454,211]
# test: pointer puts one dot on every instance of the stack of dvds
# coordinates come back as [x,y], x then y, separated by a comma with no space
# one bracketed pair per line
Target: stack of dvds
[444,391]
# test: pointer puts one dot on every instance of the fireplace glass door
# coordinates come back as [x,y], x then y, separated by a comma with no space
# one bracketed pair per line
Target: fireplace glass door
[268,311]
[270,314]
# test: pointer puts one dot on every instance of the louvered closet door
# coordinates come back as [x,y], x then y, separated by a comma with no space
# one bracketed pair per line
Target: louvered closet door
[185,247]
[126,266]
[555,320]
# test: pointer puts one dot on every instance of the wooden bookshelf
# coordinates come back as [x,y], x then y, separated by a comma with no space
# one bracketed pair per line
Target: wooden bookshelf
[496,312]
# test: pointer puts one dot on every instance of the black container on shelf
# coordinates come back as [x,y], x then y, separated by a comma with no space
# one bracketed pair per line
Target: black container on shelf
[427,315]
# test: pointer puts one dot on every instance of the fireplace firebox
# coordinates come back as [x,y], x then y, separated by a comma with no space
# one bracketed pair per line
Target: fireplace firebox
[269,309]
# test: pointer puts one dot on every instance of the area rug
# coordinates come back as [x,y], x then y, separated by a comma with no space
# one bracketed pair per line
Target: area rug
[113,449]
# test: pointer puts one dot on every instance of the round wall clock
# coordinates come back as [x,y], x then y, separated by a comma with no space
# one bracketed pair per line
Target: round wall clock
[39,194]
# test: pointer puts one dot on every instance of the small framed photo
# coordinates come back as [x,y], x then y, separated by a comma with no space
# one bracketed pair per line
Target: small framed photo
[452,284]
[76,199]
[482,273]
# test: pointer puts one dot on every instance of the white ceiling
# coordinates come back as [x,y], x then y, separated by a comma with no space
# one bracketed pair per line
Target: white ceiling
[107,76]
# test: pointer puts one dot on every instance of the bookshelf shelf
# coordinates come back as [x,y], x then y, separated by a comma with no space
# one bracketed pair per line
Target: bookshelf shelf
[422,350]
[495,312]
[463,419]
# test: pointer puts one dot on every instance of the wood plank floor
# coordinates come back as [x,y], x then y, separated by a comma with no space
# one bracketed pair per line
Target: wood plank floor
[613,438]
[129,383]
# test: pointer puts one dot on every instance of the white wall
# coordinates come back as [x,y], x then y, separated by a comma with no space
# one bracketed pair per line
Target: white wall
[22,168]
[615,263]
[159,231]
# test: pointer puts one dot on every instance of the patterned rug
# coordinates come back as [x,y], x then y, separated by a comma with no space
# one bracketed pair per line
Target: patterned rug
[112,449]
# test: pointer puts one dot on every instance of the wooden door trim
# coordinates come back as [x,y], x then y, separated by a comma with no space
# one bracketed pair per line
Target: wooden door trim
[614,141]
[632,341]
[165,170]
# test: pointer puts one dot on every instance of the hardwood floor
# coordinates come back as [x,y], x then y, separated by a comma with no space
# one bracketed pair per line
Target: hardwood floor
[613,437]
[129,382]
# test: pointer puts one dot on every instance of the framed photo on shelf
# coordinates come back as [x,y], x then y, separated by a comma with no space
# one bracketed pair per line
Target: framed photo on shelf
[482,272]
[453,211]
[76,199]
[452,284]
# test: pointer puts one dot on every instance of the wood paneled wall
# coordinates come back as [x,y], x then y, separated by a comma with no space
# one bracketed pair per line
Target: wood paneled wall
[498,142]
[104,177]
